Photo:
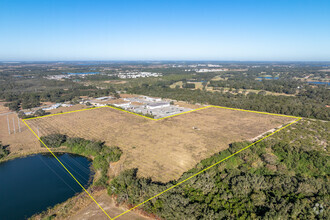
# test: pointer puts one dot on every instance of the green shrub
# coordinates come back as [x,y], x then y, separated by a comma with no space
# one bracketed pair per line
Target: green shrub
[3,151]
[53,140]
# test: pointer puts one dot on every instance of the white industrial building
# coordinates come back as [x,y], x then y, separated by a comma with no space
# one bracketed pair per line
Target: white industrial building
[158,105]
[123,105]
[55,106]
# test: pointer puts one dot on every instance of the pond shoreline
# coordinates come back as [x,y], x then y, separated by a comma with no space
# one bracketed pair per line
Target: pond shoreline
[16,155]
[45,178]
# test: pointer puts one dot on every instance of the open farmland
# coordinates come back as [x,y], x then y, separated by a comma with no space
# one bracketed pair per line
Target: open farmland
[24,142]
[19,142]
[161,149]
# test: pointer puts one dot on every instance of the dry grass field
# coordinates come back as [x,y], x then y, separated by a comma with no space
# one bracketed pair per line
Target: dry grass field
[3,109]
[179,83]
[19,142]
[161,149]
[24,142]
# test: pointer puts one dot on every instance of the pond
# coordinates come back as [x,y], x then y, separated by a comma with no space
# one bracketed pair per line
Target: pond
[260,78]
[319,83]
[32,184]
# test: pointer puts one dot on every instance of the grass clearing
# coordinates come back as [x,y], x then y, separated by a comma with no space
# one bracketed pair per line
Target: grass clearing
[163,149]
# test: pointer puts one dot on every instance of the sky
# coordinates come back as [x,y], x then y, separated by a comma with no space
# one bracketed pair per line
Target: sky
[224,30]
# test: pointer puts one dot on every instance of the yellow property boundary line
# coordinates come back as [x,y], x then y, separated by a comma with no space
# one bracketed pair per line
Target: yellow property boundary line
[266,113]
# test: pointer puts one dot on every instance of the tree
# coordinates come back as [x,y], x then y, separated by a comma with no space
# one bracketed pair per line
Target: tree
[21,114]
[53,140]
[40,112]
[117,95]
[3,151]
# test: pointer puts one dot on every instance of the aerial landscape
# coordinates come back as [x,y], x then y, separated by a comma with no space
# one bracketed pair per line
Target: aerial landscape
[144,110]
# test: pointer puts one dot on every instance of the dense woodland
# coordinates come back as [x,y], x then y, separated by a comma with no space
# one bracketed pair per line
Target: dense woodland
[310,103]
[285,176]
[278,86]
[27,100]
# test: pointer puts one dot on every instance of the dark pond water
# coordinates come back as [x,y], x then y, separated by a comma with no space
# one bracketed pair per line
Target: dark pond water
[319,83]
[266,77]
[32,184]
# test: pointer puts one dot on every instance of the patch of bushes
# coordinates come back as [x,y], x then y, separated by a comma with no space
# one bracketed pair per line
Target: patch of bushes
[3,151]
[101,153]
[38,113]
[53,140]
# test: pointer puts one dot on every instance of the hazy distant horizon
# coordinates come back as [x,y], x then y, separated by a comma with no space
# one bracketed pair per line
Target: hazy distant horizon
[233,61]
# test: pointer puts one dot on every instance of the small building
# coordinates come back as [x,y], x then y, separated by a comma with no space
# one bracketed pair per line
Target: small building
[55,106]
[150,99]
[67,105]
[96,104]
[158,105]
[123,105]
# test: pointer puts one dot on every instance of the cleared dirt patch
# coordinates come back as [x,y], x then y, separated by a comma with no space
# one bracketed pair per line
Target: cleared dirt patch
[162,149]
[93,212]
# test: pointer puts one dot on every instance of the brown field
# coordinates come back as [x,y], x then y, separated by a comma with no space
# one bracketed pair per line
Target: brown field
[20,142]
[123,95]
[24,142]
[198,85]
[115,81]
[179,83]
[162,149]
[3,109]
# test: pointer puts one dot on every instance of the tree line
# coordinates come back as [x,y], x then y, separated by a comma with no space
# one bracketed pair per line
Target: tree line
[310,103]
[278,86]
[26,100]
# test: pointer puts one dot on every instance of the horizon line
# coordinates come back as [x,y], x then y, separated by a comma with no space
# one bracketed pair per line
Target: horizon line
[160,60]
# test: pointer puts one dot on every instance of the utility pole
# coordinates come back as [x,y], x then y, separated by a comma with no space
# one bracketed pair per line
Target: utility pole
[19,125]
[8,125]
[14,126]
